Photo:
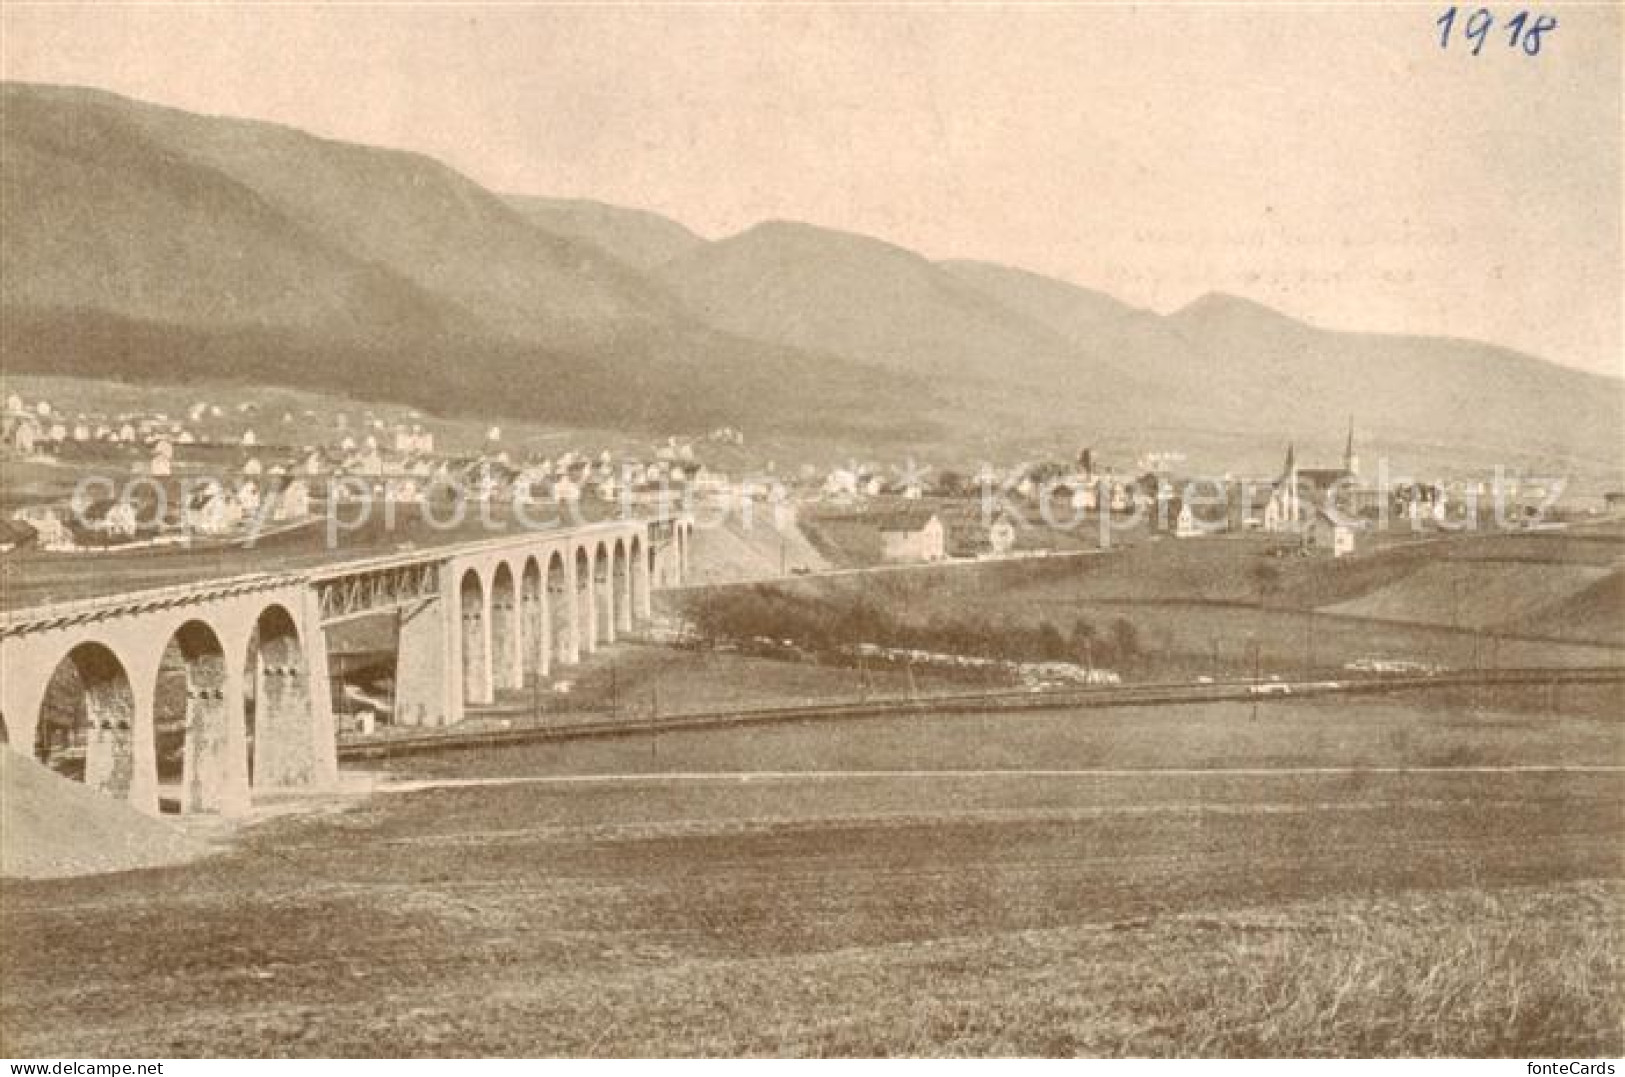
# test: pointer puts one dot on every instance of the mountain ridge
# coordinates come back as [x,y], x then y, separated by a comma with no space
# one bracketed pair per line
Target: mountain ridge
[130,231]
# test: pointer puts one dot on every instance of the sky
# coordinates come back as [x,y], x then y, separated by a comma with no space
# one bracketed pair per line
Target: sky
[1332,161]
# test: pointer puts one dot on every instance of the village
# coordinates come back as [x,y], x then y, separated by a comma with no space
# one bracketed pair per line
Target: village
[220,472]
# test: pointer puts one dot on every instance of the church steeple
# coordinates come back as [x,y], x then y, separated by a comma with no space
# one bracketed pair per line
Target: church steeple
[1351,462]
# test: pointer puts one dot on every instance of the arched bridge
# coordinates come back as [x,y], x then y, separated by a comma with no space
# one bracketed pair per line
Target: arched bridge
[218,688]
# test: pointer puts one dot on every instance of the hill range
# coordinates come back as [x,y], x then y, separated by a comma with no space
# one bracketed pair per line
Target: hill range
[146,244]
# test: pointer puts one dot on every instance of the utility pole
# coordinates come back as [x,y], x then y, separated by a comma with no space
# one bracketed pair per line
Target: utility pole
[1256,672]
[1309,645]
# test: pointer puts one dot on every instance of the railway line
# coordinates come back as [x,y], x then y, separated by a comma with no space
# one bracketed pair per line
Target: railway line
[1095,697]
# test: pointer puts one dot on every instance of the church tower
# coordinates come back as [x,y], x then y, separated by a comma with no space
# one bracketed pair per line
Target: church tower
[1351,462]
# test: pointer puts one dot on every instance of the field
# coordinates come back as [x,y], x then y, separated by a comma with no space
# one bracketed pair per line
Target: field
[1203,606]
[960,885]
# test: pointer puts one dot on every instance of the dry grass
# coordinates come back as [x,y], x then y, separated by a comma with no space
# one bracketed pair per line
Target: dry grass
[1398,915]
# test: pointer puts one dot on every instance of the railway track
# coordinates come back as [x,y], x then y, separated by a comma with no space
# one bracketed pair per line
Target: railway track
[1156,694]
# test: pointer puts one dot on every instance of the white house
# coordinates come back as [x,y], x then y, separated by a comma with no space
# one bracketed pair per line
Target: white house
[1326,534]
[22,435]
[119,520]
[51,531]
[840,482]
[403,491]
[1185,523]
[913,537]
[212,511]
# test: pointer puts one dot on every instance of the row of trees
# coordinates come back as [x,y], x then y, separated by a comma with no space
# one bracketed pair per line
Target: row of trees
[826,625]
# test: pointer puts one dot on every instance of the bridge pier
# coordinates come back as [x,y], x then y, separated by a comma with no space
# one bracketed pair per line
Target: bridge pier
[507,655]
[585,623]
[642,604]
[293,711]
[561,615]
[142,793]
[603,581]
[423,670]
[215,766]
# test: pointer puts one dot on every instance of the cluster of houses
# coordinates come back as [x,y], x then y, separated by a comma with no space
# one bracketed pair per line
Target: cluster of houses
[38,429]
[222,486]
[1313,510]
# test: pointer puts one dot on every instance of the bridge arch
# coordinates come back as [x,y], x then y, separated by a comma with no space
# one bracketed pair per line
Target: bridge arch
[476,638]
[506,671]
[604,588]
[586,612]
[278,702]
[199,735]
[86,726]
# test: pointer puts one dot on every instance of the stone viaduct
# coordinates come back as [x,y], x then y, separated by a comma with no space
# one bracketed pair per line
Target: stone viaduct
[248,654]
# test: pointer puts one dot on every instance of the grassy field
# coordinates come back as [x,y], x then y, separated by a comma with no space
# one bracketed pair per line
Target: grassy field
[642,680]
[1201,606]
[957,886]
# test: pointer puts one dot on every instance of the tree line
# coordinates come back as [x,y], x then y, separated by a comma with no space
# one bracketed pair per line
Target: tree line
[829,625]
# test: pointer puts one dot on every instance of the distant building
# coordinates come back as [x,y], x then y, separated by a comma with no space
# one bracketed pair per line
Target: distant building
[1001,536]
[21,432]
[913,536]
[1327,534]
[51,531]
[212,511]
[1185,522]
[1283,512]
[119,520]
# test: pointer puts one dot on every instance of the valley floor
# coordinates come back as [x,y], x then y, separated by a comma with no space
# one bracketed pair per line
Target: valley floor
[810,890]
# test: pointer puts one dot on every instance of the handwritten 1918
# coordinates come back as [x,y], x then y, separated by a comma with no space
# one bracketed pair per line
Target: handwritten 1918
[1524,30]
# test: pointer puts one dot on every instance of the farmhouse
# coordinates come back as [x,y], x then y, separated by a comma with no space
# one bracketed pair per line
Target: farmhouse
[913,536]
[1328,534]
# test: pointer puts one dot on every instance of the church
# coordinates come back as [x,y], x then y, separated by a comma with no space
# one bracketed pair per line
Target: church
[1300,492]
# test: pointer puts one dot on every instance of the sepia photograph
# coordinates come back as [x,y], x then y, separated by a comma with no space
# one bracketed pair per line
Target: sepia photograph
[877,530]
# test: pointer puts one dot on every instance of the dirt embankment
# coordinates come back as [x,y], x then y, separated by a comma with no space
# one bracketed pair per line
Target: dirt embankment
[52,828]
